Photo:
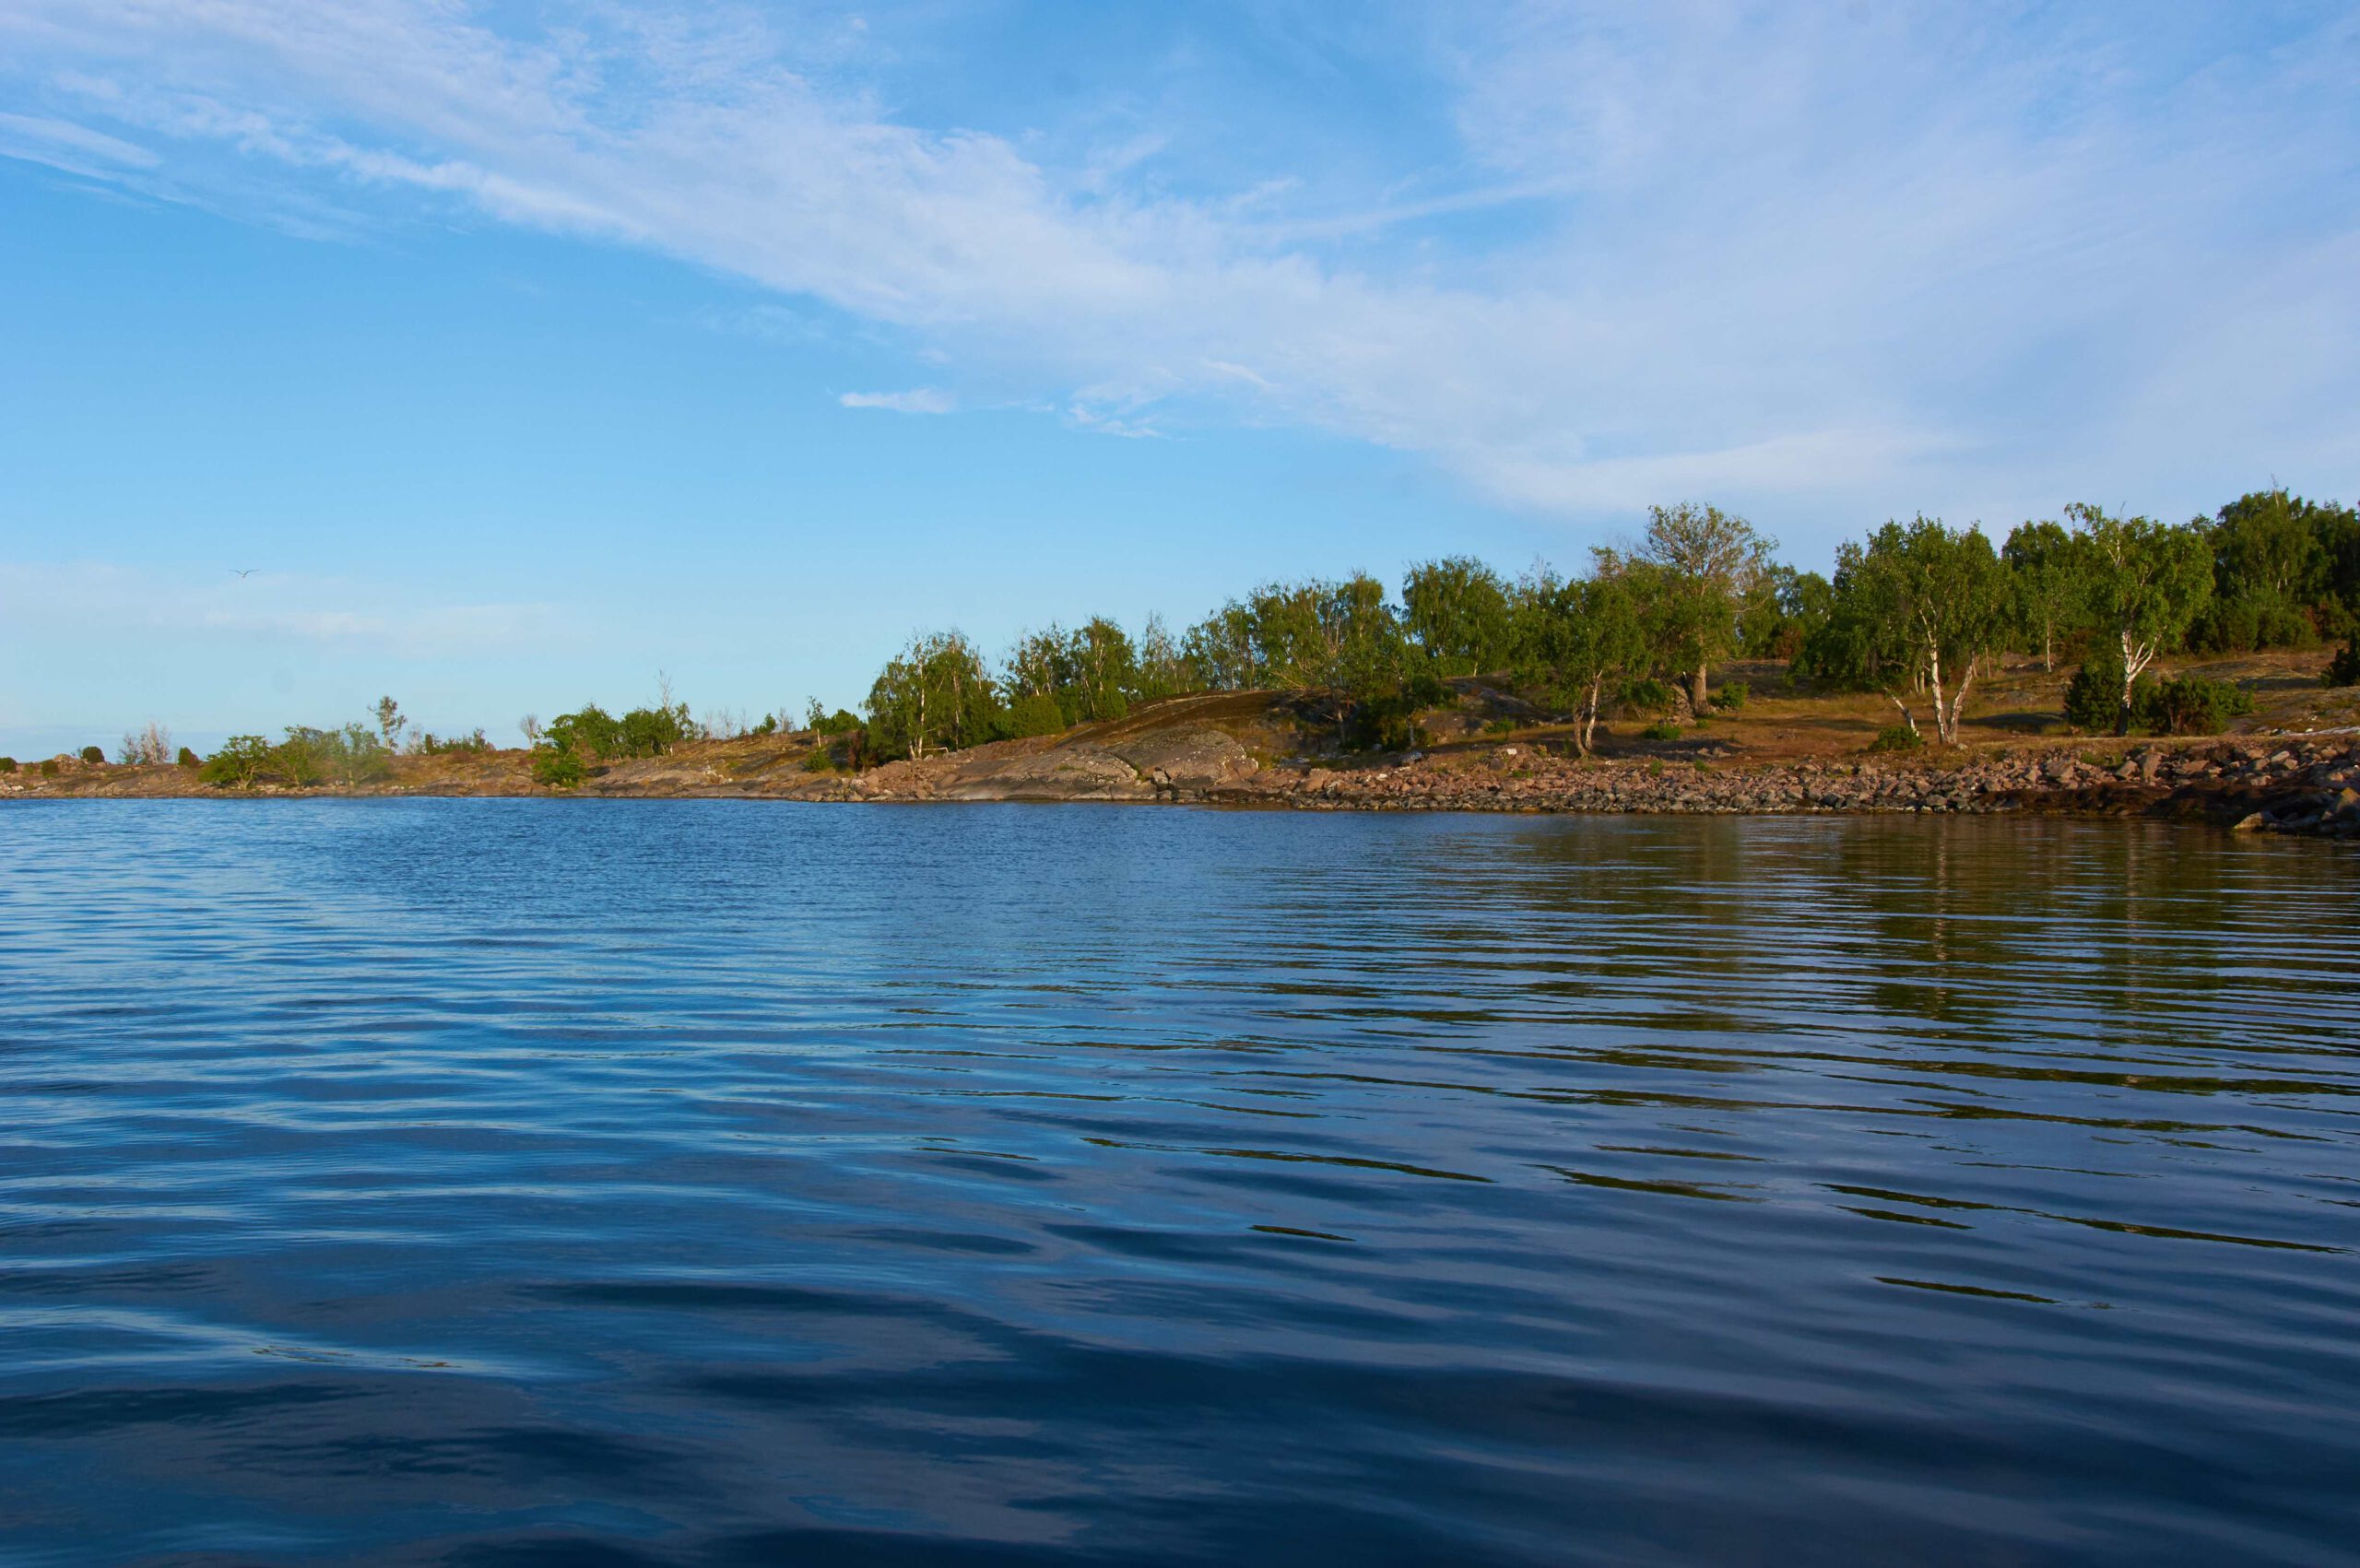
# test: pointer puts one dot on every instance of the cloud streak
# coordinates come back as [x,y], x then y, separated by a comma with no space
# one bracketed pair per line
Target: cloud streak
[919,400]
[1798,256]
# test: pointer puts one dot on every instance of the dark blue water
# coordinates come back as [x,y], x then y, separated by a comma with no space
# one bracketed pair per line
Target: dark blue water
[727,1183]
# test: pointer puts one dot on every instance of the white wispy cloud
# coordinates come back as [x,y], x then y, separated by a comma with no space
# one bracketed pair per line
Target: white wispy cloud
[1762,249]
[289,608]
[918,400]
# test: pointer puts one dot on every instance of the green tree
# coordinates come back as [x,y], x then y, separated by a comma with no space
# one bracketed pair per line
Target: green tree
[1781,611]
[1577,640]
[934,696]
[2048,583]
[589,730]
[1929,601]
[2148,581]
[1163,670]
[1456,611]
[1709,562]
[2270,567]
[238,762]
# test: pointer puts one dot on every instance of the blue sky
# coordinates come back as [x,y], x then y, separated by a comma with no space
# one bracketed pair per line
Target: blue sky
[526,350]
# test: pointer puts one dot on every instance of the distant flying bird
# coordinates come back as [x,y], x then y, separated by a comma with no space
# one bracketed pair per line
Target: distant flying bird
[249,571]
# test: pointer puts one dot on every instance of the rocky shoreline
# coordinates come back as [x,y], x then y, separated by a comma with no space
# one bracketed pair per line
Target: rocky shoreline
[2307,785]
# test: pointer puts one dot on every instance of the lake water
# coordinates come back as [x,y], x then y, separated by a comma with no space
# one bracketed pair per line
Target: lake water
[718,1182]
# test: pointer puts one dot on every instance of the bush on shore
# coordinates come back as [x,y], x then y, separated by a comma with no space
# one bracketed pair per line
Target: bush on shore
[559,766]
[1897,737]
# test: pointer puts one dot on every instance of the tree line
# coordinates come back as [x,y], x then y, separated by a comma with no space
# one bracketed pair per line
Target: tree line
[1918,611]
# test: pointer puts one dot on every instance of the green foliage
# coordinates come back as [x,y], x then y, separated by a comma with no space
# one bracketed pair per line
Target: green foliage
[2270,564]
[819,761]
[1920,603]
[934,696]
[49,767]
[2049,582]
[1500,726]
[769,726]
[187,759]
[1662,729]
[1035,712]
[433,745]
[642,731]
[2344,668]
[1698,566]
[93,755]
[1457,612]
[1897,737]
[1645,694]
[819,721]
[1781,609]
[1732,697]
[589,728]
[2094,697]
[1580,642]
[2148,583]
[238,764]
[1091,673]
[2193,704]
[559,766]
[8,764]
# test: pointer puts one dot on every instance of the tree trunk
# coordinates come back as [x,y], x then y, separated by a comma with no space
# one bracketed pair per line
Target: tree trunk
[1941,711]
[1906,717]
[1588,725]
[1699,698]
[2131,665]
[1958,704]
[2047,649]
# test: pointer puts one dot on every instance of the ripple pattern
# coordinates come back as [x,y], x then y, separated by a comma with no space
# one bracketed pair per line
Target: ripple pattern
[718,1182]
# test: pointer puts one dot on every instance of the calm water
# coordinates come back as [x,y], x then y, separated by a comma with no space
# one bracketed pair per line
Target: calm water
[718,1183]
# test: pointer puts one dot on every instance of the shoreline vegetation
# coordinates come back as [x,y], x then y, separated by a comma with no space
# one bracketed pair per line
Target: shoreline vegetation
[2095,663]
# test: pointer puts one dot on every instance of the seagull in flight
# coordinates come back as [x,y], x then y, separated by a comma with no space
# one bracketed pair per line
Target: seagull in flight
[249,571]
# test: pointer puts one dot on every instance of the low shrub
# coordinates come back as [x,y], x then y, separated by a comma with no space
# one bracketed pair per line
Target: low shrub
[433,745]
[1662,729]
[8,764]
[2094,697]
[49,767]
[187,759]
[819,761]
[1897,737]
[93,755]
[2191,705]
[1500,726]
[2344,668]
[1647,696]
[1731,698]
[559,766]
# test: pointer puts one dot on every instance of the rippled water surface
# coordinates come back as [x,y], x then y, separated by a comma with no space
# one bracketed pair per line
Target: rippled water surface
[715,1183]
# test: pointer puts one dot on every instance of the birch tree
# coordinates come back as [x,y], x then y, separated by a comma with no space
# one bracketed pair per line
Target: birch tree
[1929,602]
[2148,583]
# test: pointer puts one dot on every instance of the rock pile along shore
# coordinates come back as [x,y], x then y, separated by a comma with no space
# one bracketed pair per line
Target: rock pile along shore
[2309,786]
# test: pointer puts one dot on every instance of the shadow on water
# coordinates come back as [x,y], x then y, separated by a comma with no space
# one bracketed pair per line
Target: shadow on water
[718,1183]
